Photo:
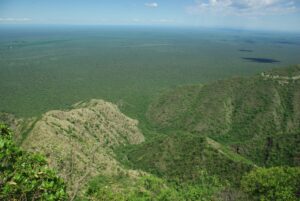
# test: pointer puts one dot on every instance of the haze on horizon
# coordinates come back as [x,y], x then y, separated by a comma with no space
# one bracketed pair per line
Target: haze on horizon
[282,15]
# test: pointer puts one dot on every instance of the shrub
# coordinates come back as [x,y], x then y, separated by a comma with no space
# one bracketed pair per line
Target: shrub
[276,183]
[26,176]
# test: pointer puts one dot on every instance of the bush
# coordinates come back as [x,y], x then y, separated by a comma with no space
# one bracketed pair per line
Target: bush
[25,176]
[270,184]
[145,188]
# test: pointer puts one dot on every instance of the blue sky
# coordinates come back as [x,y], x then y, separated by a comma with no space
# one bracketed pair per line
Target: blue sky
[249,14]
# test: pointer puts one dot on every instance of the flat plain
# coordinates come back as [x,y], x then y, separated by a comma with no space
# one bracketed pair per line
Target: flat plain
[44,68]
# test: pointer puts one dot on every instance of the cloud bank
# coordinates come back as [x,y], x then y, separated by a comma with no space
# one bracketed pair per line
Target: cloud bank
[151,5]
[243,7]
[10,19]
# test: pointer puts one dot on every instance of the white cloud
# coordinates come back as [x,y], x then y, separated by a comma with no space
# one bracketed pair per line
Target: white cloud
[243,7]
[10,19]
[151,5]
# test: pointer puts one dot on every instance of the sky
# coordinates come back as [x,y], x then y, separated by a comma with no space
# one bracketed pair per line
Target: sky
[283,15]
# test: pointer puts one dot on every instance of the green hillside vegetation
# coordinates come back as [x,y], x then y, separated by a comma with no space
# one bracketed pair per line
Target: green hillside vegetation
[152,188]
[25,176]
[235,139]
[225,128]
[256,117]
[198,167]
[276,183]
[20,126]
[121,188]
[180,157]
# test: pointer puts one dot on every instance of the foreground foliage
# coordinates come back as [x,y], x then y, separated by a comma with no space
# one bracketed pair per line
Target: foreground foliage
[25,176]
[276,183]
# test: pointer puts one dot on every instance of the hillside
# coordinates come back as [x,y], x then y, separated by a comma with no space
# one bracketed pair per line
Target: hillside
[257,117]
[203,140]
[181,156]
[80,142]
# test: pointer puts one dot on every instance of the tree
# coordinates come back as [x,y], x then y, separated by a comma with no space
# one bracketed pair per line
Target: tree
[276,183]
[25,176]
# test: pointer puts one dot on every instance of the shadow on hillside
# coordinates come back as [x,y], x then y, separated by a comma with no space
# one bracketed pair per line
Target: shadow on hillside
[245,50]
[260,60]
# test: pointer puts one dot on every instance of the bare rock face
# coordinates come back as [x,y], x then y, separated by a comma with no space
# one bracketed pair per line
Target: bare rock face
[79,142]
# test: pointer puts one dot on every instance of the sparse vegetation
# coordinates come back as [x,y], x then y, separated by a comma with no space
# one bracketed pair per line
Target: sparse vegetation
[82,150]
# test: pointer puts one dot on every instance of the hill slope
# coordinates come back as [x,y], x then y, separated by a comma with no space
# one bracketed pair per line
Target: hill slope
[258,117]
[181,156]
[80,142]
[209,136]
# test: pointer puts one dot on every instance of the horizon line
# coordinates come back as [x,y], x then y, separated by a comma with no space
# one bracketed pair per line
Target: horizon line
[152,25]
